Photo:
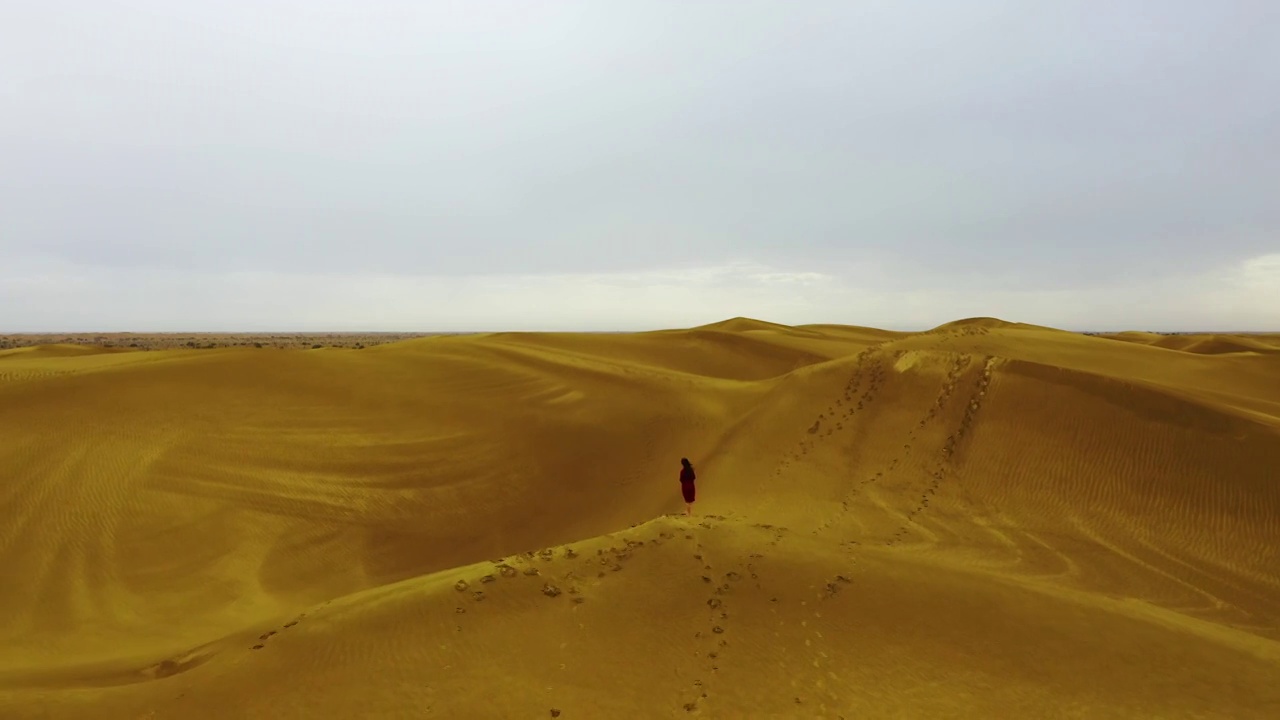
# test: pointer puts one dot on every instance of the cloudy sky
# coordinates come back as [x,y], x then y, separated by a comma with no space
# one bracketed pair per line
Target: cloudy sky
[610,164]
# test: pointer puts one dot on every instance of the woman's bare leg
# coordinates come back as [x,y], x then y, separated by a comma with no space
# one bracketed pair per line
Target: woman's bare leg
[688,508]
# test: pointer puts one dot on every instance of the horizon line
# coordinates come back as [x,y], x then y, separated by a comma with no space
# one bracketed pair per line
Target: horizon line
[5,333]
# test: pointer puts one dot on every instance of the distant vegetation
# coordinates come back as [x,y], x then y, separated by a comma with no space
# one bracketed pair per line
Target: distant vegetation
[208,341]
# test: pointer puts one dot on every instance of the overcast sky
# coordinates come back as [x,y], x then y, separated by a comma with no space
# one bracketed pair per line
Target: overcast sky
[603,164]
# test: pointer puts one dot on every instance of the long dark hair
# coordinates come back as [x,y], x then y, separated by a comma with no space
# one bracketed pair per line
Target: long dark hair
[688,466]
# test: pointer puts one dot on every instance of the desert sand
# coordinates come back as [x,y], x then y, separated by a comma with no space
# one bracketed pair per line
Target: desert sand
[984,520]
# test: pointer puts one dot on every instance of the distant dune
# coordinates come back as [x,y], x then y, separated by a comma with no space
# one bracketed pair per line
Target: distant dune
[747,325]
[58,350]
[1205,344]
[984,520]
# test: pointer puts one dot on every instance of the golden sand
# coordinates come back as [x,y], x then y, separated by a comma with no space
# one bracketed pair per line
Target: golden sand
[985,520]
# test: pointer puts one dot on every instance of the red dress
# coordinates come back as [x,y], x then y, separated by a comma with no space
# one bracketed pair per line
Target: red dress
[686,483]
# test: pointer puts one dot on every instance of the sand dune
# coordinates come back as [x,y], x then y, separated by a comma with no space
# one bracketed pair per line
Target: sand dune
[1205,344]
[987,519]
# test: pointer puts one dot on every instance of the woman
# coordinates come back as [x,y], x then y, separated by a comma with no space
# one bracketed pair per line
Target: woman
[686,485]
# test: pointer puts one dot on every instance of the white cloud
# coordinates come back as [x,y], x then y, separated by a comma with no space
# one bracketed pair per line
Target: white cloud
[1261,275]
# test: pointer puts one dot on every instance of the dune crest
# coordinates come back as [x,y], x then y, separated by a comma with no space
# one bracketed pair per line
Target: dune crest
[986,519]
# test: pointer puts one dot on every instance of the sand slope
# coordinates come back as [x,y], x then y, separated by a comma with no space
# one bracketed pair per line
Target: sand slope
[987,519]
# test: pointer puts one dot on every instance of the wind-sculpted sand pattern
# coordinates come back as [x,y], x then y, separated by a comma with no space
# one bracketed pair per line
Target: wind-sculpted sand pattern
[983,520]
